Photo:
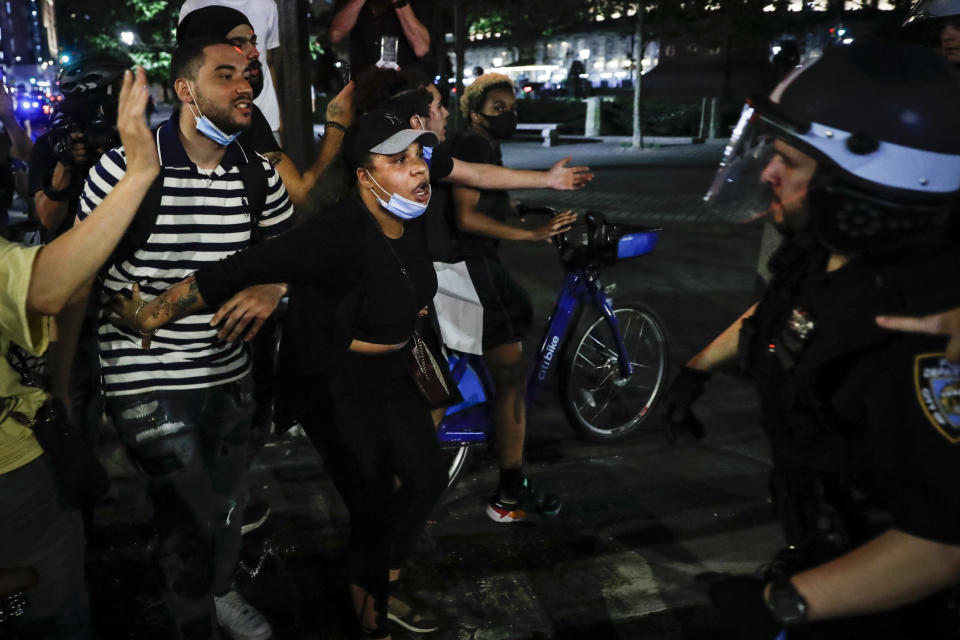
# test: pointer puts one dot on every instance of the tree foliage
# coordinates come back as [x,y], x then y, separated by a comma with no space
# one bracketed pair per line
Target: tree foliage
[86,25]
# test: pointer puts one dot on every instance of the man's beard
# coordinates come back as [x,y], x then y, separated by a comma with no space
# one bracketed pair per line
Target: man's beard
[222,118]
[255,80]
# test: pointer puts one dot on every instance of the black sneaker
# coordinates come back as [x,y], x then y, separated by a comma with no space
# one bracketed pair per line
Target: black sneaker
[409,611]
[530,501]
[254,515]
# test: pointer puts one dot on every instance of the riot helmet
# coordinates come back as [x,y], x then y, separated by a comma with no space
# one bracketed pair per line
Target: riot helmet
[91,81]
[881,122]
[931,10]
[936,23]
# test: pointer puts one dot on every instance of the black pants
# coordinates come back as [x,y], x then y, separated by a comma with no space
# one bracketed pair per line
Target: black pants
[371,424]
[507,310]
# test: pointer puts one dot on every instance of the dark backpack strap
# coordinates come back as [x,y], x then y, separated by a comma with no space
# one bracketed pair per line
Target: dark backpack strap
[142,225]
[254,178]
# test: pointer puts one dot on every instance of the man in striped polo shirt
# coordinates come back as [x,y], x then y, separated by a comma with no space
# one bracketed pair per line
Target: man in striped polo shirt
[183,407]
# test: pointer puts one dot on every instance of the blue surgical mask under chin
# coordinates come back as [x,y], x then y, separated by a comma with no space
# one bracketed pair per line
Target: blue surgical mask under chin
[427,151]
[207,128]
[399,206]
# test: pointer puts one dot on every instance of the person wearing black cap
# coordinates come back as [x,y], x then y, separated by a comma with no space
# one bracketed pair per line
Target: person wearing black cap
[217,20]
[366,261]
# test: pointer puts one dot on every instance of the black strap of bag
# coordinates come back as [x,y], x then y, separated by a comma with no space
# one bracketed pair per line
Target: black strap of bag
[81,478]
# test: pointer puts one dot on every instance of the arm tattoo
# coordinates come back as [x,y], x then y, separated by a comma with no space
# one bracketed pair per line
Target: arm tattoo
[273,157]
[173,305]
[333,110]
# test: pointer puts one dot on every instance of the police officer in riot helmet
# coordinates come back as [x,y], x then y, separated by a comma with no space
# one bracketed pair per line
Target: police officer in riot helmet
[942,17]
[860,154]
[83,128]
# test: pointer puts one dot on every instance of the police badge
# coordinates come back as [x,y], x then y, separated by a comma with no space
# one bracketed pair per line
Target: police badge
[937,381]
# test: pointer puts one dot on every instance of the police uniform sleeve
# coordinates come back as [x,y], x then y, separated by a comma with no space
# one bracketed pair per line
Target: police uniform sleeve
[910,404]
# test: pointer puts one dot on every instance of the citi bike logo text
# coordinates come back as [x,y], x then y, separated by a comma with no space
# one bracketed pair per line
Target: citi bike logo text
[548,358]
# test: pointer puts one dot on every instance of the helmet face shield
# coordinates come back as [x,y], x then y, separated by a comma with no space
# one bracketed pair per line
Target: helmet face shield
[737,193]
[927,10]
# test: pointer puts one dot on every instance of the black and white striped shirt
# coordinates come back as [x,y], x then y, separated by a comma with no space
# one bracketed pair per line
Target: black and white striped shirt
[204,217]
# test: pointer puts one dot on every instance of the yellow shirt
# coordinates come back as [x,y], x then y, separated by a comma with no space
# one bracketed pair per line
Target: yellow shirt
[29,331]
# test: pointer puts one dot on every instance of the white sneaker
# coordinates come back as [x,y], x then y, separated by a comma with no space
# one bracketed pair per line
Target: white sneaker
[239,620]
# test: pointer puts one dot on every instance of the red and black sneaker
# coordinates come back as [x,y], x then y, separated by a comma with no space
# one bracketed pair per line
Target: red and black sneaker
[504,508]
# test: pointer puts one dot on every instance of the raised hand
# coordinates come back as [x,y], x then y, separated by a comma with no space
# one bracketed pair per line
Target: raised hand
[138,144]
[244,313]
[564,178]
[340,108]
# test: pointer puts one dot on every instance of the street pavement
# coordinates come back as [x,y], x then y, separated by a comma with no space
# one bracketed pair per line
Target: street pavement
[642,523]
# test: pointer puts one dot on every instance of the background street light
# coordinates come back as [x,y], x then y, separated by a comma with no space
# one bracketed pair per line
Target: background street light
[127,37]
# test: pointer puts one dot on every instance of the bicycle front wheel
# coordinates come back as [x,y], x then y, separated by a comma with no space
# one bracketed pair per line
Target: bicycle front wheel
[601,404]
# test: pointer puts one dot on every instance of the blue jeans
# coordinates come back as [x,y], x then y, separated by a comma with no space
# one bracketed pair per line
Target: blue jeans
[37,531]
[192,447]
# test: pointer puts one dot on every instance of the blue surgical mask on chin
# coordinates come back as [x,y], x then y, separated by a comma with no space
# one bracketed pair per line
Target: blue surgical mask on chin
[207,128]
[427,151]
[398,205]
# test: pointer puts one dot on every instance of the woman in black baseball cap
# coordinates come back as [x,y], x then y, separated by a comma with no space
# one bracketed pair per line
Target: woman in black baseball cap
[363,277]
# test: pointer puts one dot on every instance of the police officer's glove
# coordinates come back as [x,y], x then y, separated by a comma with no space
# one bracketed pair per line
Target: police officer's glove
[739,600]
[683,392]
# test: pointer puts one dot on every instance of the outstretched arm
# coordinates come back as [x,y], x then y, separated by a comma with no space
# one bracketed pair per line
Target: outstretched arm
[490,176]
[182,299]
[860,582]
[67,264]
[946,323]
[724,347]
[472,220]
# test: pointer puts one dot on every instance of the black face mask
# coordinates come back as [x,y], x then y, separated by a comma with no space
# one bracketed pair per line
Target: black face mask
[501,126]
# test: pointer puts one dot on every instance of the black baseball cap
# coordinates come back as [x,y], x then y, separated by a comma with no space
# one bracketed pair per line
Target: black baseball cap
[213,20]
[382,131]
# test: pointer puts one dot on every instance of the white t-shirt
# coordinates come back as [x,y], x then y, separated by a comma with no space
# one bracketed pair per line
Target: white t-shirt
[262,15]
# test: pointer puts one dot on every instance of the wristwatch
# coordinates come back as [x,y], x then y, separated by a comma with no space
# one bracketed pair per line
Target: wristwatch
[785,603]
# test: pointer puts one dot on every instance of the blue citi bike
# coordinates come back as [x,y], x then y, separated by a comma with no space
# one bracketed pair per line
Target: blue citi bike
[611,371]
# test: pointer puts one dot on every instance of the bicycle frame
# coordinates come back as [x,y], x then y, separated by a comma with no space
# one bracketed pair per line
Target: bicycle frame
[579,288]
[472,423]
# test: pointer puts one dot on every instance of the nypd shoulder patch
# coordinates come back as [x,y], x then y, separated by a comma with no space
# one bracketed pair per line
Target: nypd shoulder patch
[937,381]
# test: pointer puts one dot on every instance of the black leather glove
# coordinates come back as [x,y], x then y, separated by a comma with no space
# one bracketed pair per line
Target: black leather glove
[739,600]
[683,392]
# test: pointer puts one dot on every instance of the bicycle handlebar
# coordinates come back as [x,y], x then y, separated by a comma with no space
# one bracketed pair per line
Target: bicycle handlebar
[606,242]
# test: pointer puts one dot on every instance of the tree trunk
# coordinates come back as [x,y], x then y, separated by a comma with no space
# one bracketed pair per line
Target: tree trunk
[638,78]
[295,82]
